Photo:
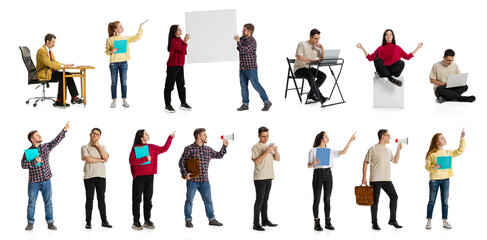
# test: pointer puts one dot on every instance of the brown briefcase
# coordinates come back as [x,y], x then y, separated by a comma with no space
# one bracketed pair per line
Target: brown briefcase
[364,195]
[193,167]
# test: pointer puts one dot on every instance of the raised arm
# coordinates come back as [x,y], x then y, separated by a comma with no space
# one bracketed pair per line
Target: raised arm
[348,145]
[461,147]
[50,145]
[420,45]
[359,45]
[163,149]
[138,35]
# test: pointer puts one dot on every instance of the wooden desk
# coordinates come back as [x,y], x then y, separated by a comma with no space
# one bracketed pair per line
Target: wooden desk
[82,75]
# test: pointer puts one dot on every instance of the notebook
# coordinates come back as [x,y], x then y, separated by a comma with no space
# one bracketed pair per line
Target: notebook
[31,154]
[323,154]
[444,162]
[121,45]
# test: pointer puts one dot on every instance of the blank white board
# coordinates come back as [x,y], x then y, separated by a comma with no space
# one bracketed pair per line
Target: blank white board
[211,36]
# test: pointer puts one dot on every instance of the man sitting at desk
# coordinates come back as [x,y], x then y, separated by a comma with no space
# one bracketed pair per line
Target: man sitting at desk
[308,52]
[45,57]
[439,77]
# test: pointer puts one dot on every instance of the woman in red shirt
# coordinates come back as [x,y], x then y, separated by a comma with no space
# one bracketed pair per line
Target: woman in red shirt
[387,58]
[175,72]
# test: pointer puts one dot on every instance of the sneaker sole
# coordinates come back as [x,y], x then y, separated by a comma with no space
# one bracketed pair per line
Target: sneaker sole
[149,227]
[185,109]
[136,228]
[169,111]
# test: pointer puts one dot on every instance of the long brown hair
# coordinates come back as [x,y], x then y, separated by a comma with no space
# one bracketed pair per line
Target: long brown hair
[384,37]
[111,28]
[318,139]
[433,145]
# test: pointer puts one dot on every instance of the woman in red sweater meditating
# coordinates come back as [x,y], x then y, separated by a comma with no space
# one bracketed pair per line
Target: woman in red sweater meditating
[175,72]
[143,169]
[387,58]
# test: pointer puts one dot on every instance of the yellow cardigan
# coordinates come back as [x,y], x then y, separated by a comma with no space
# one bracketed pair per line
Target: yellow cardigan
[43,60]
[121,57]
[436,174]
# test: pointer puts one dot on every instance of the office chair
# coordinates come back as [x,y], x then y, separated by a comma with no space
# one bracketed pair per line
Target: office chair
[32,78]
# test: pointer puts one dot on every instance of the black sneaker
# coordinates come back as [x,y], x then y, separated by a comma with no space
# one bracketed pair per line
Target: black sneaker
[51,226]
[258,227]
[215,222]
[268,224]
[189,224]
[375,226]
[395,81]
[76,101]
[185,107]
[169,109]
[468,99]
[148,224]
[60,104]
[29,227]
[137,226]
[395,224]
[88,225]
[106,224]
[243,107]
[440,100]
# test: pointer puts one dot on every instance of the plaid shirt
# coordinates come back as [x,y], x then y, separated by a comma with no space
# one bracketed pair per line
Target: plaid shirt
[204,154]
[42,173]
[247,48]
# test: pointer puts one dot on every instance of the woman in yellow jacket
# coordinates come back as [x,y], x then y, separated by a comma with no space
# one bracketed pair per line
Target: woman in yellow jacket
[119,57]
[440,176]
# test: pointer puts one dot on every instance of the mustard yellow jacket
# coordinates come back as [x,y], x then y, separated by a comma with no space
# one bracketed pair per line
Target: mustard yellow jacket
[43,60]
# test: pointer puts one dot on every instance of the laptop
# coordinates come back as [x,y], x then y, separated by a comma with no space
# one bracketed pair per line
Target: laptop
[457,80]
[330,56]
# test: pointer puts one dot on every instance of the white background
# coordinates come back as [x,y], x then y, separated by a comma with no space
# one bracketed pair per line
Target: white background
[214,93]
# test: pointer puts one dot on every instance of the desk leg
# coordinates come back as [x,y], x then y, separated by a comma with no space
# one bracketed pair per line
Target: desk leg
[84,87]
[64,88]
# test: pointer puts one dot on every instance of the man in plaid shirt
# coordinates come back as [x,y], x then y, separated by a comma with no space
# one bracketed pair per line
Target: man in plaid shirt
[247,48]
[40,176]
[201,183]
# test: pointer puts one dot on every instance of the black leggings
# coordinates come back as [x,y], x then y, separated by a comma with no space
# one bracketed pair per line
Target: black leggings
[386,71]
[142,185]
[175,75]
[322,178]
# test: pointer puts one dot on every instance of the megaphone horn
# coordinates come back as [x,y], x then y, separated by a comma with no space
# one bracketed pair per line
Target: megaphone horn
[402,140]
[229,137]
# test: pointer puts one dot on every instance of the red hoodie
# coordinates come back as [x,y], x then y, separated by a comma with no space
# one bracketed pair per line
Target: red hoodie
[390,54]
[151,168]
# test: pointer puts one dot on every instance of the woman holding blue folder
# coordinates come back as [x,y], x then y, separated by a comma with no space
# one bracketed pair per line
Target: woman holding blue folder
[322,160]
[143,166]
[440,174]
[117,47]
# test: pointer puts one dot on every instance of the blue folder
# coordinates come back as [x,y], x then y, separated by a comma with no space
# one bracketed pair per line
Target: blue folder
[121,45]
[444,162]
[31,154]
[141,152]
[323,154]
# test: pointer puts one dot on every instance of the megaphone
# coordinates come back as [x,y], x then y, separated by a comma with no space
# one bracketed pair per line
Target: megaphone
[402,140]
[229,137]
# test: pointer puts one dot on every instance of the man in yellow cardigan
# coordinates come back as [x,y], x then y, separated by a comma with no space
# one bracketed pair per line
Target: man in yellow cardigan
[45,57]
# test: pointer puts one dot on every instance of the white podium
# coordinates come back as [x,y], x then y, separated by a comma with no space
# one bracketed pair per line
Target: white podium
[388,95]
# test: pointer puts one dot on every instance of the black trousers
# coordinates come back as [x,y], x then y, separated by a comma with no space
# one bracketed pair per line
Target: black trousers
[391,192]
[142,185]
[322,179]
[262,190]
[175,75]
[450,93]
[58,77]
[98,184]
[309,74]
[386,71]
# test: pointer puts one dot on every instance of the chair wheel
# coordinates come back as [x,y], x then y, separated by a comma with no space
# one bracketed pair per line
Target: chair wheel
[35,105]
[27,102]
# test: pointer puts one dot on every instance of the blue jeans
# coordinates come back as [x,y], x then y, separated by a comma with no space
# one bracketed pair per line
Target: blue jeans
[33,191]
[205,191]
[119,67]
[245,76]
[444,186]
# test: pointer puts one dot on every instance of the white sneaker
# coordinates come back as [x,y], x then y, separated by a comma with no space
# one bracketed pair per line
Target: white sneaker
[125,104]
[114,104]
[428,225]
[446,225]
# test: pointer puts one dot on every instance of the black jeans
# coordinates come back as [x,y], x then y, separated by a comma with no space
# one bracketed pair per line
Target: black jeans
[98,184]
[450,93]
[58,77]
[309,74]
[174,75]
[322,179]
[142,185]
[391,192]
[262,190]
[386,71]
